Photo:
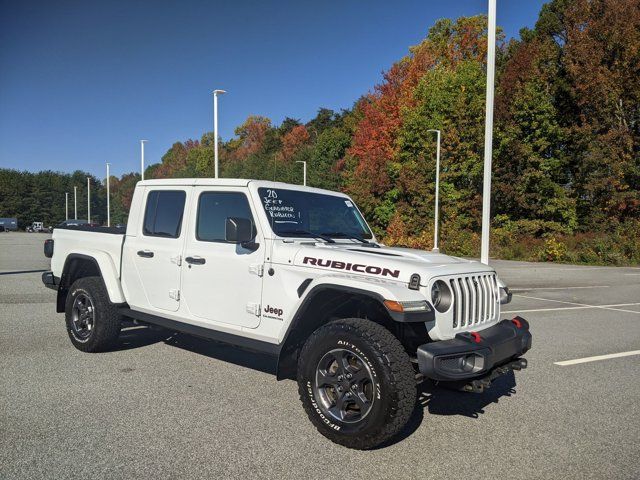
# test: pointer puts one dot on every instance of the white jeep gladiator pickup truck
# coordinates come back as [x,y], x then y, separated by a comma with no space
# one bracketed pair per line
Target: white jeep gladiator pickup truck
[294,272]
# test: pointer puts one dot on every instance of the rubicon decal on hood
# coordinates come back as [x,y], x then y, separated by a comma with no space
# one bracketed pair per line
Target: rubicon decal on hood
[352,267]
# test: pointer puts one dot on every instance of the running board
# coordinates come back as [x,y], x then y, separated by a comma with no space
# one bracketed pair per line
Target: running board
[223,337]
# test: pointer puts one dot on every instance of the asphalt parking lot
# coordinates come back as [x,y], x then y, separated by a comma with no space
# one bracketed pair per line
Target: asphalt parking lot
[173,406]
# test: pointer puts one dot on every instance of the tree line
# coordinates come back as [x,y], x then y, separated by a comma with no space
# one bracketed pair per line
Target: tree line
[566,173]
[40,197]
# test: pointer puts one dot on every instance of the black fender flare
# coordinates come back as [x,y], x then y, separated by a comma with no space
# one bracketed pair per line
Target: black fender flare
[66,279]
[296,331]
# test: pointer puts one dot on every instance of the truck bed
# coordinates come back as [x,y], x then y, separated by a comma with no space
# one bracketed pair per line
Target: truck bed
[82,239]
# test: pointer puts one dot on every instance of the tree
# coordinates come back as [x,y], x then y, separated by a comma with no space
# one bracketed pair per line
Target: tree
[602,54]
[252,135]
[532,170]
[40,197]
[386,167]
[288,124]
[293,141]
[324,119]
[328,150]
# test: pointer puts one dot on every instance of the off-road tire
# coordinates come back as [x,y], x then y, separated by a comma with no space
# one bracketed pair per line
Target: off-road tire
[104,332]
[394,383]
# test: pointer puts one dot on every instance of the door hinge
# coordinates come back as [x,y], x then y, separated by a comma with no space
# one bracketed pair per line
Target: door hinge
[253,308]
[257,269]
[175,294]
[177,259]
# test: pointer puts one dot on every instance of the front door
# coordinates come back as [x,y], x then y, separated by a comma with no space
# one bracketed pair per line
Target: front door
[221,281]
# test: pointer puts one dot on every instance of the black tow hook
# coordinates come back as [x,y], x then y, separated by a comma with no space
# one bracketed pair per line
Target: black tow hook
[519,364]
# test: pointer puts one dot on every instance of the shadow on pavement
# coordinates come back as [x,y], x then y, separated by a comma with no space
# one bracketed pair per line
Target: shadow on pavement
[442,401]
[226,353]
[435,399]
[438,400]
[137,336]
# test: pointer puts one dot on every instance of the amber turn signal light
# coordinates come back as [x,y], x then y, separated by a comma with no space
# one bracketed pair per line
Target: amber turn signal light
[394,306]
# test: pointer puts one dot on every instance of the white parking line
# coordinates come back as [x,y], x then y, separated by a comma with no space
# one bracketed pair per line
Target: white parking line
[597,358]
[584,305]
[547,267]
[578,269]
[524,289]
[609,307]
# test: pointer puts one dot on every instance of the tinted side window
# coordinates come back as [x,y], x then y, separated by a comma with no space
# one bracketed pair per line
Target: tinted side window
[213,210]
[163,213]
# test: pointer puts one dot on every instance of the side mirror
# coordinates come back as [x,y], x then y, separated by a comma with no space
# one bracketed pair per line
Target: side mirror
[240,230]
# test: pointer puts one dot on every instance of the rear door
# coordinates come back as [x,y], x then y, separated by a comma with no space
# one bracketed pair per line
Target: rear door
[221,281]
[156,249]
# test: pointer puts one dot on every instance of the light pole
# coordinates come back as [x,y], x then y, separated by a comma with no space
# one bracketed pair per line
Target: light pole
[108,209]
[89,199]
[66,205]
[215,128]
[437,211]
[488,133]
[75,203]
[304,171]
[142,142]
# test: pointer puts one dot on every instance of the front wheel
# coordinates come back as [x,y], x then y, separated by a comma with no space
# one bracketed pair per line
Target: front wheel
[356,383]
[93,322]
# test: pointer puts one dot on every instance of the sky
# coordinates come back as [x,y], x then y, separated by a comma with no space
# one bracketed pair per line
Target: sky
[81,82]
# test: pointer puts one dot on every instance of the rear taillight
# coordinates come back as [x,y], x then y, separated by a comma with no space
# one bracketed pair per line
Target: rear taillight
[48,248]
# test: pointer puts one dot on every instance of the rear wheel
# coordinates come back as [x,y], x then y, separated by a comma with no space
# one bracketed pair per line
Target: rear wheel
[356,383]
[93,322]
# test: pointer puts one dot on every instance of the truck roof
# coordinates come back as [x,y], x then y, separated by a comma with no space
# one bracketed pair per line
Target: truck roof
[229,182]
[222,182]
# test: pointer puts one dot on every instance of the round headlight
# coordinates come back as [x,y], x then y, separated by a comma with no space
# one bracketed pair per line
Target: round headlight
[440,296]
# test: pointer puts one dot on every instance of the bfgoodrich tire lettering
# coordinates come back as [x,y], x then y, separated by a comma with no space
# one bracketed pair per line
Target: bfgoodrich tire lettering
[93,322]
[368,398]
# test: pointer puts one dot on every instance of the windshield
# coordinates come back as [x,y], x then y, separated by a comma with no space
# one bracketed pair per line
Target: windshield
[294,213]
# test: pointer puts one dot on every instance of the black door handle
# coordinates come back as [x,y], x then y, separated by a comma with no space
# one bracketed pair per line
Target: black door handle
[195,260]
[145,253]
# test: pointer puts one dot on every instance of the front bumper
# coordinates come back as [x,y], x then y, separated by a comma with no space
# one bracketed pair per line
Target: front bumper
[475,354]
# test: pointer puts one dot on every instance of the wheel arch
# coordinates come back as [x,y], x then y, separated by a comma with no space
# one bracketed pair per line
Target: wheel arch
[95,264]
[326,302]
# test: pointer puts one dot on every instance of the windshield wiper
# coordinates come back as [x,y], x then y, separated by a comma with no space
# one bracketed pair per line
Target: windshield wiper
[352,236]
[321,236]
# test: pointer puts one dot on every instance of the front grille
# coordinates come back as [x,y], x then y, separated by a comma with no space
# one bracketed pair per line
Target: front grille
[475,299]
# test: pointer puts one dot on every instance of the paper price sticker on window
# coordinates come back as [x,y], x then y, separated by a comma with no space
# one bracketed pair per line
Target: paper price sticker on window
[348,203]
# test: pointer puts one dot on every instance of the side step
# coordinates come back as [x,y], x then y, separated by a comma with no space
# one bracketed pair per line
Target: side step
[190,329]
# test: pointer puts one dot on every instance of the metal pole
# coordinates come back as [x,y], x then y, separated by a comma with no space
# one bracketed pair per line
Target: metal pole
[108,206]
[488,134]
[66,205]
[142,159]
[437,212]
[215,133]
[304,171]
[75,203]
[89,199]
[215,129]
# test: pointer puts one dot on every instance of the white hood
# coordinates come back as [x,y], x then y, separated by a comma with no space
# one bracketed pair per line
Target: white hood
[384,262]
